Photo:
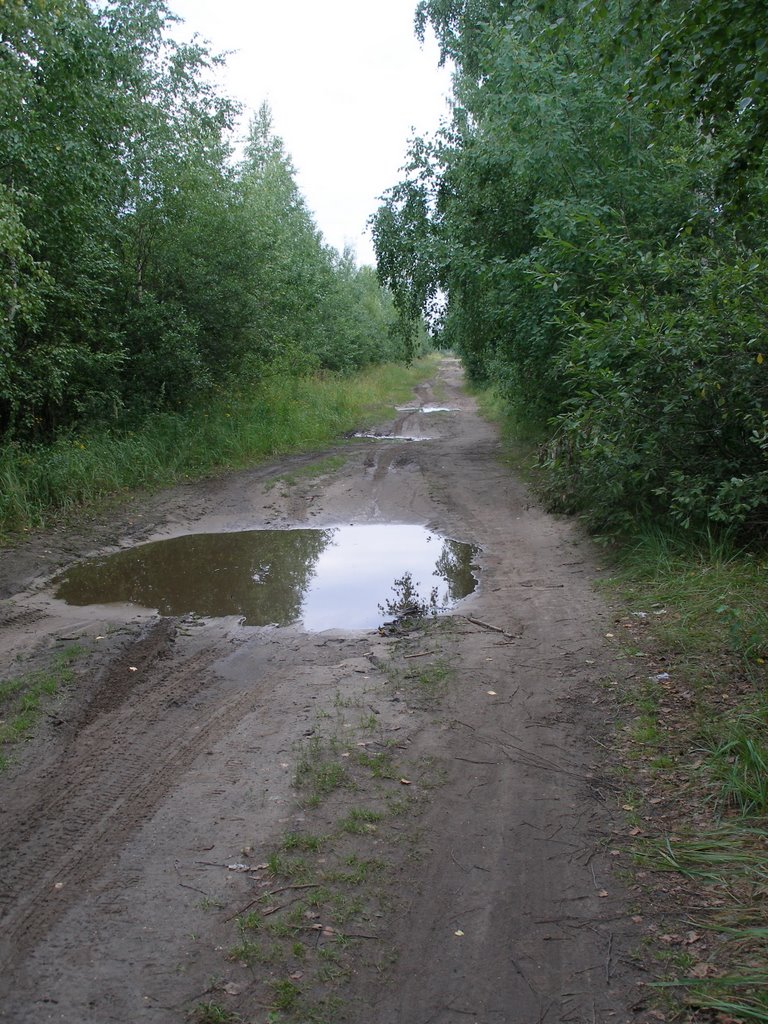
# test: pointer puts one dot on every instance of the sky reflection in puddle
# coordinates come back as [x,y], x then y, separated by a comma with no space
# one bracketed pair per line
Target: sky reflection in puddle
[323,579]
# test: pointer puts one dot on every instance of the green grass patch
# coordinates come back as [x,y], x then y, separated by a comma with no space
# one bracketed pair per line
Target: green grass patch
[703,598]
[23,698]
[238,426]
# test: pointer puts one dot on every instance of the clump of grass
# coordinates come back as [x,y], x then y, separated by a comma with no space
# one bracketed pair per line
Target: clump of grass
[285,995]
[213,1013]
[318,772]
[300,841]
[739,759]
[22,698]
[381,766]
[360,820]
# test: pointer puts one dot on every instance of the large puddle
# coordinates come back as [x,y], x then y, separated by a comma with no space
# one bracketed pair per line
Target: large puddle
[345,577]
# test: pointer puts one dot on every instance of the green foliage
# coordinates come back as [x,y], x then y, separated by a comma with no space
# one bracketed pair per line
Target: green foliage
[594,217]
[139,266]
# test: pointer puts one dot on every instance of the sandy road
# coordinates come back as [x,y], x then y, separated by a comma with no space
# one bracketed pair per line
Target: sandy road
[177,748]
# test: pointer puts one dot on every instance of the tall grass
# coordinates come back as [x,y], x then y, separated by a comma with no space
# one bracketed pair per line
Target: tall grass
[714,595]
[237,427]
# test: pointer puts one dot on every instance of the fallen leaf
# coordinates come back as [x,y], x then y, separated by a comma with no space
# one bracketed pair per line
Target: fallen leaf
[405,782]
[491,693]
[458,932]
[692,937]
[58,885]
[232,989]
[132,668]
[296,975]
[603,893]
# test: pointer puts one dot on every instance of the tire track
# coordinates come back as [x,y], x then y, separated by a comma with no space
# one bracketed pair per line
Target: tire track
[81,812]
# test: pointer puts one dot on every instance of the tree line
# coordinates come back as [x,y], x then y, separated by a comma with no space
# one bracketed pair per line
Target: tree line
[141,262]
[589,230]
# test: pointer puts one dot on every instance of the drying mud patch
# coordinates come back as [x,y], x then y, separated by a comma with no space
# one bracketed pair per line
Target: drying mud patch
[219,821]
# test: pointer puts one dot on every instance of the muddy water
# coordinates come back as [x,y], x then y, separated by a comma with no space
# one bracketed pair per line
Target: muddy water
[323,579]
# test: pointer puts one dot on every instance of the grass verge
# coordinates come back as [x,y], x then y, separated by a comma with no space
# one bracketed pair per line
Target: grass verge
[237,427]
[694,626]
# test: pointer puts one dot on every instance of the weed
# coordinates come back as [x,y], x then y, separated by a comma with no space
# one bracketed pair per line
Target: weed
[369,723]
[246,952]
[285,995]
[249,922]
[739,760]
[298,841]
[22,697]
[380,766]
[359,820]
[408,604]
[213,1013]
[295,869]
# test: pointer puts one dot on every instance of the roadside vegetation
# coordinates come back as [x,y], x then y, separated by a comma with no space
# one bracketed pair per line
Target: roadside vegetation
[167,304]
[588,232]
[239,426]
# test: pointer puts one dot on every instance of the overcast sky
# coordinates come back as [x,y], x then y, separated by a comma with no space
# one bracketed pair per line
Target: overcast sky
[347,81]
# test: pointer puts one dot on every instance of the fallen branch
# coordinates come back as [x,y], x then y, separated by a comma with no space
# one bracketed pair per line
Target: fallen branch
[421,654]
[488,625]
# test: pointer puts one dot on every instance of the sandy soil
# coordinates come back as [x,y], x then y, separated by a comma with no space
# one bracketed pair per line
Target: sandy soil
[141,819]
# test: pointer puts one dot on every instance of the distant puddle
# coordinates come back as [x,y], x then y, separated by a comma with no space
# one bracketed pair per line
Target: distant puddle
[437,408]
[324,579]
[395,437]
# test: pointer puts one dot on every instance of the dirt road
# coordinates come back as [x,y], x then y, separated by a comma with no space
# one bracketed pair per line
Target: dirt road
[413,825]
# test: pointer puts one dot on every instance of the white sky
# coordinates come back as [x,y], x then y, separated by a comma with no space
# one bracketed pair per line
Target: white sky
[347,81]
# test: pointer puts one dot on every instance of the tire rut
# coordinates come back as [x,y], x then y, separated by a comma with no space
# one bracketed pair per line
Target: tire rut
[116,772]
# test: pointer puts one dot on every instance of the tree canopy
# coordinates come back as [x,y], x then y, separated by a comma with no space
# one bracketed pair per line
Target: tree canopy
[593,215]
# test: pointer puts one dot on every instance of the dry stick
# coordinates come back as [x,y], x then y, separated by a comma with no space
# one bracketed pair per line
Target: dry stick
[608,960]
[273,892]
[457,862]
[487,625]
[421,654]
[470,761]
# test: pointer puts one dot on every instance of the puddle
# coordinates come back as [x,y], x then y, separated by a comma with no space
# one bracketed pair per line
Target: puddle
[395,437]
[438,408]
[323,579]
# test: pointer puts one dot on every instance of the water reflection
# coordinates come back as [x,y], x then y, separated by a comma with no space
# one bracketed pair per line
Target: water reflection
[321,578]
